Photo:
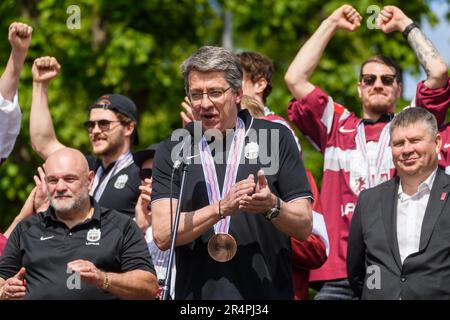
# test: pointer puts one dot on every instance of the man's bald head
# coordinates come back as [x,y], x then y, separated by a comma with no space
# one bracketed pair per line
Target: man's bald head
[68,180]
[70,158]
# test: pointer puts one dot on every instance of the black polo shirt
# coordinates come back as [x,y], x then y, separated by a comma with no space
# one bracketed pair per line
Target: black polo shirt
[44,246]
[122,190]
[261,268]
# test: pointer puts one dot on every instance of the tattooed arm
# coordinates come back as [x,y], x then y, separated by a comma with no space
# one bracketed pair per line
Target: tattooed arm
[429,58]
[393,19]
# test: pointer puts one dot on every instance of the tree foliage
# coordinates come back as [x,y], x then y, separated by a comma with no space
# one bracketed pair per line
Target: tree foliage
[136,47]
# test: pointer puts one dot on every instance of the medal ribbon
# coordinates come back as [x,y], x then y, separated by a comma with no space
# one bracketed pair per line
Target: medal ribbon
[373,172]
[209,171]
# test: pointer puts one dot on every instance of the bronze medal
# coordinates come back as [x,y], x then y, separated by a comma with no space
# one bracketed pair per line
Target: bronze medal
[222,247]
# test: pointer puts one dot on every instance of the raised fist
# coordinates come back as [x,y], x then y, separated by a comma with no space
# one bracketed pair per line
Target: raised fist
[19,36]
[392,19]
[45,69]
[346,18]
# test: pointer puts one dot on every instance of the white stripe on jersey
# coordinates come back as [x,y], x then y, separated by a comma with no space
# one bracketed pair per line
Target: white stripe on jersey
[336,159]
[320,229]
[328,114]
[344,115]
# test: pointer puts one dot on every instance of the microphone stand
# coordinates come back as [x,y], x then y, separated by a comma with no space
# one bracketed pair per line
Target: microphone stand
[168,279]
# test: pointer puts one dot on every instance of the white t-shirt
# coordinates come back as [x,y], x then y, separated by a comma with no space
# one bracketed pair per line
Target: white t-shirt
[10,120]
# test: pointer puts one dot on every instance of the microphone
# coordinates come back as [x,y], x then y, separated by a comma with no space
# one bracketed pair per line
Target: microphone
[177,164]
[183,153]
[190,136]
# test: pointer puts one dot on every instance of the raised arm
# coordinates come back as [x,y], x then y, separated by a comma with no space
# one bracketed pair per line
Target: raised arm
[304,64]
[19,36]
[42,132]
[392,19]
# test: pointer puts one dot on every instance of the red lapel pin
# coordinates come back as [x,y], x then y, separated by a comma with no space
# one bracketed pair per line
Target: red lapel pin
[443,194]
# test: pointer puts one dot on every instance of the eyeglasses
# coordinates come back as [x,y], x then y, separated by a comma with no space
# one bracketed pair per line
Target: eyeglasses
[386,79]
[215,95]
[103,125]
[145,173]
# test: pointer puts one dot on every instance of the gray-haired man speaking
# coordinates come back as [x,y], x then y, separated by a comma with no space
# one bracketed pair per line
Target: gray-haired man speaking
[233,239]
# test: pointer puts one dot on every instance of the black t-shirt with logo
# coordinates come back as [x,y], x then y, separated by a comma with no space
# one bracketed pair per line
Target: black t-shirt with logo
[44,246]
[122,190]
[261,268]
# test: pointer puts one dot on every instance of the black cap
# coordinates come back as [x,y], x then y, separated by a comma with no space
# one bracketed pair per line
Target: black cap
[142,155]
[120,104]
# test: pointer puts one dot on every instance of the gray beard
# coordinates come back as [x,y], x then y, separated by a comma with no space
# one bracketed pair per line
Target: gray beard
[75,205]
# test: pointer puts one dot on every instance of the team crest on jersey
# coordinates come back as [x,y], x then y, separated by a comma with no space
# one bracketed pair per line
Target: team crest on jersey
[251,150]
[93,236]
[358,183]
[121,181]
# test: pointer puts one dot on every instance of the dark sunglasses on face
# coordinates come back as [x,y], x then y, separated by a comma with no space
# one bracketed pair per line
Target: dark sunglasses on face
[386,79]
[145,173]
[103,125]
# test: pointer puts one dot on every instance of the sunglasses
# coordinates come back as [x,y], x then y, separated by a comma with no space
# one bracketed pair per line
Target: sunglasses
[145,173]
[386,79]
[103,125]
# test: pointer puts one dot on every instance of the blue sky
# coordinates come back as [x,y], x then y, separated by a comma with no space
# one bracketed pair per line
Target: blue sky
[440,36]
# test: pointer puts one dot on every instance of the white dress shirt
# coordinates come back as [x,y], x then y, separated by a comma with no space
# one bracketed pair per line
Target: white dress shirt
[410,213]
[10,119]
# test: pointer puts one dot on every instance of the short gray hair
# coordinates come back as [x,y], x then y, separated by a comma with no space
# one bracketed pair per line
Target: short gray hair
[413,115]
[213,59]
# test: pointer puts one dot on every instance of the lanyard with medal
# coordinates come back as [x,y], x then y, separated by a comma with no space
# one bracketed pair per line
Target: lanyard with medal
[222,246]
[374,167]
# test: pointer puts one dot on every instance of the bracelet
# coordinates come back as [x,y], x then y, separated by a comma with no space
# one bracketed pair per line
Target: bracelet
[408,29]
[105,284]
[220,213]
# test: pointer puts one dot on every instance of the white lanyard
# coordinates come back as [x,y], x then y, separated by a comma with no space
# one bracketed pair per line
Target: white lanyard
[124,161]
[373,171]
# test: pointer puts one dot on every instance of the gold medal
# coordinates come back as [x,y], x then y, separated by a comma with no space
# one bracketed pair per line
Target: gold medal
[222,247]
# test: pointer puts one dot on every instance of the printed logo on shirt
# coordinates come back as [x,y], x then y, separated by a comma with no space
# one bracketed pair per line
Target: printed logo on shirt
[93,237]
[46,238]
[348,209]
[446,145]
[251,150]
[121,181]
[343,130]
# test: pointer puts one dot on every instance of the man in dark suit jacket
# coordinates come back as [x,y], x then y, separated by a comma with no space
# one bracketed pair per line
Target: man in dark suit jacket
[399,240]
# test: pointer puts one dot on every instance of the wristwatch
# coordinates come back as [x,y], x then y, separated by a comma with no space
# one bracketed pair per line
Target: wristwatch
[275,211]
